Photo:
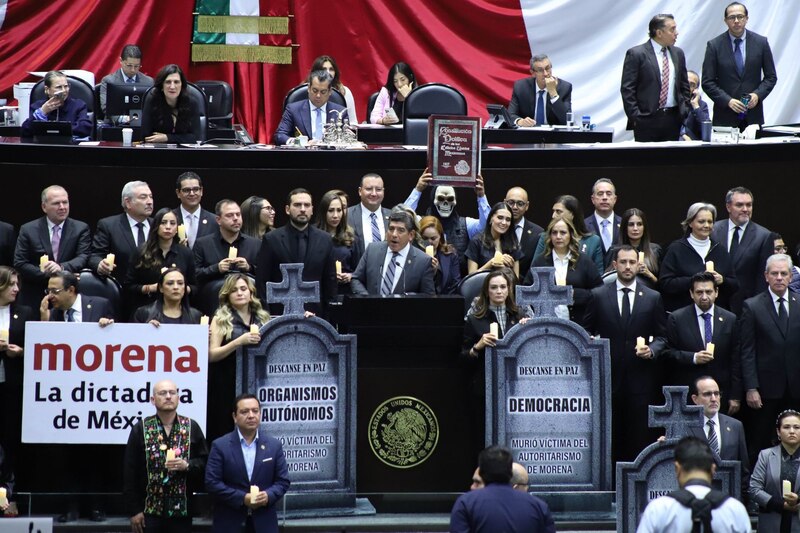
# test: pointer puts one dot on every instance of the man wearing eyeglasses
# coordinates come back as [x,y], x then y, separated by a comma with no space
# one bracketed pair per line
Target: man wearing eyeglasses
[63,303]
[541,99]
[727,441]
[158,484]
[308,117]
[129,71]
[196,221]
[738,71]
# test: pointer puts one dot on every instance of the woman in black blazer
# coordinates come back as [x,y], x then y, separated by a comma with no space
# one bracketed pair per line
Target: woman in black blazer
[690,254]
[172,303]
[446,268]
[634,230]
[572,267]
[12,341]
[162,250]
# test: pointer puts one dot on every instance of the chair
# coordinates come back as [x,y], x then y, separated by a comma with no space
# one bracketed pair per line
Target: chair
[371,104]
[301,93]
[424,101]
[610,277]
[106,287]
[77,89]
[195,94]
[219,102]
[470,287]
[99,115]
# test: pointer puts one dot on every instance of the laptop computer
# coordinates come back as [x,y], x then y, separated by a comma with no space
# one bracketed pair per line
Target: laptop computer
[45,132]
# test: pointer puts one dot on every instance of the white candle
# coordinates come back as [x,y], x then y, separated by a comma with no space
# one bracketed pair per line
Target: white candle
[253,492]
[110,260]
[170,455]
[641,257]
[493,329]
[3,496]
[4,335]
[204,320]
[429,250]
[338,267]
[561,280]
[710,348]
[253,328]
[497,259]
[640,342]
[233,253]
[709,266]
[787,486]
[181,232]
[43,261]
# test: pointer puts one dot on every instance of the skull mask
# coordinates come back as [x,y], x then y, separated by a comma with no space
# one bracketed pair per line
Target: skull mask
[444,199]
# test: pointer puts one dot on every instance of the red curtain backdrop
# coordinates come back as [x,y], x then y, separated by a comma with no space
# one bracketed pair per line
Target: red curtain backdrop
[477,46]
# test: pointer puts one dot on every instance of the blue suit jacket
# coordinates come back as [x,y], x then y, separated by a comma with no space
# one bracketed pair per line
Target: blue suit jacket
[298,115]
[227,482]
[498,507]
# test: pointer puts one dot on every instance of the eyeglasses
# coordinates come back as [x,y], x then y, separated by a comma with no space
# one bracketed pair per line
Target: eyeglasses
[191,190]
[53,291]
[132,67]
[516,203]
[736,18]
[165,393]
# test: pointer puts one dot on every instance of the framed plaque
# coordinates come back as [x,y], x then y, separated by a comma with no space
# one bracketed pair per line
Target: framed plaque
[454,150]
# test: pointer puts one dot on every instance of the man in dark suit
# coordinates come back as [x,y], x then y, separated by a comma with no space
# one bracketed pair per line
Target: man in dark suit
[770,332]
[541,99]
[130,63]
[622,312]
[497,506]
[297,242]
[655,87]
[213,258]
[689,332]
[604,222]
[748,244]
[738,66]
[692,129]
[197,221]
[394,266]
[244,458]
[728,440]
[63,303]
[368,218]
[527,232]
[308,117]
[65,241]
[124,234]
[8,240]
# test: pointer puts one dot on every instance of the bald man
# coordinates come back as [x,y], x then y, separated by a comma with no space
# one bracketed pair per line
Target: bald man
[526,231]
[519,477]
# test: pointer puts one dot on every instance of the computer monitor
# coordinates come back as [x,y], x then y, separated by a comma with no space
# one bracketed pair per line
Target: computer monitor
[498,117]
[126,99]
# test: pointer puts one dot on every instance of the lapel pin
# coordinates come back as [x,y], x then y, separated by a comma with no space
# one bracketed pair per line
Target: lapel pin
[16,317]
[529,232]
[641,293]
[89,306]
[721,319]
[264,447]
[205,221]
[727,429]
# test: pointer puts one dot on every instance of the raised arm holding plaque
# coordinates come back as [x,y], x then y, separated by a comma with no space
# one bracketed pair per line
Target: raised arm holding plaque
[454,150]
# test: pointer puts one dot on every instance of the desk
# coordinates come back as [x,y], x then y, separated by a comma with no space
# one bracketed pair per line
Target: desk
[394,135]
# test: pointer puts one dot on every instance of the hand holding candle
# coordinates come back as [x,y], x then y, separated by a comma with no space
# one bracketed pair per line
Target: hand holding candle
[497,260]
[4,497]
[170,454]
[710,348]
[254,329]
[204,320]
[233,252]
[4,335]
[110,260]
[710,266]
[429,251]
[338,268]
[641,257]
[43,261]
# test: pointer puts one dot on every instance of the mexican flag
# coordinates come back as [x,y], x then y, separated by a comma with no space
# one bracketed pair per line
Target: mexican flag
[234,30]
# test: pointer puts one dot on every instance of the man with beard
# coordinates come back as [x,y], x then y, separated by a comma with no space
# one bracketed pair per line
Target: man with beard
[458,230]
[621,312]
[297,242]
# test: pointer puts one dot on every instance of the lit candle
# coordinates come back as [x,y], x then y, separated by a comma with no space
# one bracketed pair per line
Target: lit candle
[640,342]
[497,260]
[204,320]
[561,280]
[429,250]
[254,492]
[710,348]
[641,257]
[338,267]
[4,335]
[709,266]
[181,232]
[170,455]
[787,486]
[43,261]
[253,328]
[493,329]
[4,496]
[233,253]
[110,260]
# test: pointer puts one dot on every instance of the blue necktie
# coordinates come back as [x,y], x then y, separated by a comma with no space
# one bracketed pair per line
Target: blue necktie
[606,234]
[376,232]
[388,279]
[70,315]
[540,118]
[131,80]
[709,336]
[737,56]
[318,120]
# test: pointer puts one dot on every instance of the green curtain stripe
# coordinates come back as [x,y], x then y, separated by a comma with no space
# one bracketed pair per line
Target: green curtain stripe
[213,7]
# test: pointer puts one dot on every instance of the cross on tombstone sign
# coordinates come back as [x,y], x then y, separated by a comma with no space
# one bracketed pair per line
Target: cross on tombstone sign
[544,295]
[675,416]
[292,291]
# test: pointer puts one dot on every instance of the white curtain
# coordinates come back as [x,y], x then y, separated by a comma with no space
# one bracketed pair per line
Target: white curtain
[587,40]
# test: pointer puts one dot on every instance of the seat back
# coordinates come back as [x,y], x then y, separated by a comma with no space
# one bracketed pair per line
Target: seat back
[78,89]
[610,277]
[301,93]
[195,94]
[470,287]
[103,286]
[371,103]
[424,101]
[98,109]
[219,102]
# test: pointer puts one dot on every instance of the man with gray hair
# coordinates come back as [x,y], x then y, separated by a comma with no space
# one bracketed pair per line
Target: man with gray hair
[770,340]
[307,117]
[542,99]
